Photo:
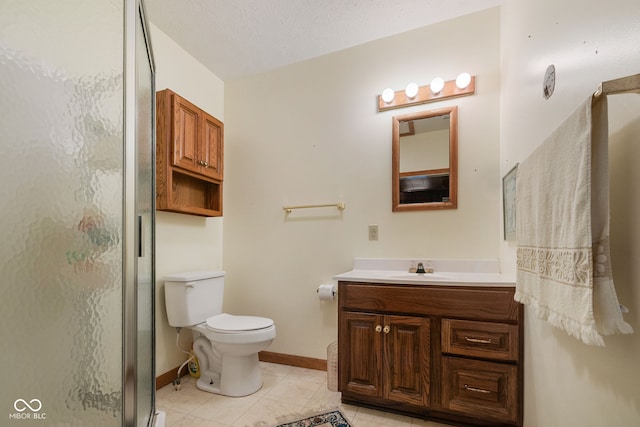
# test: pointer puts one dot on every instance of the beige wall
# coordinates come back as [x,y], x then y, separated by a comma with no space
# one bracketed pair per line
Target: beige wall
[568,383]
[183,242]
[310,133]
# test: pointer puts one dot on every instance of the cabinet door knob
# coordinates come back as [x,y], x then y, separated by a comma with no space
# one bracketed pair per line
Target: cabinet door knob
[386,329]
[205,164]
[378,328]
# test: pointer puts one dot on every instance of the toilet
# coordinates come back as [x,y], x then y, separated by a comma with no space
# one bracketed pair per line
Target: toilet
[226,345]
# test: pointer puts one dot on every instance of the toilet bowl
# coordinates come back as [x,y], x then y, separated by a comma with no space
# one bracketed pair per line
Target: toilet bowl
[226,345]
[228,353]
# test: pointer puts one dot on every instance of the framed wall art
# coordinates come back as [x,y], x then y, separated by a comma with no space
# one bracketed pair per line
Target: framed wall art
[509,203]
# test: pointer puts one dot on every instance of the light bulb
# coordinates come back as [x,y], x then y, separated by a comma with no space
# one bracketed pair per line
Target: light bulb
[411,90]
[436,85]
[387,95]
[463,80]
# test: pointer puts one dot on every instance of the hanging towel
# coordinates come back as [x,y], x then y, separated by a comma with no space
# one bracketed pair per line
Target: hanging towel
[562,228]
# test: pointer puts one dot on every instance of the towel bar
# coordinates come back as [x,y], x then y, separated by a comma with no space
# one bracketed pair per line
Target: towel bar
[339,205]
[629,84]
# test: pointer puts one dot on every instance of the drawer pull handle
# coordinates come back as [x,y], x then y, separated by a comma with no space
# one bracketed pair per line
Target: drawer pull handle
[386,329]
[477,390]
[477,340]
[378,328]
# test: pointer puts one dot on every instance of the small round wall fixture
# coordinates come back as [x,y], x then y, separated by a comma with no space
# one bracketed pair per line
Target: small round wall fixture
[437,85]
[411,90]
[387,95]
[463,80]
[549,81]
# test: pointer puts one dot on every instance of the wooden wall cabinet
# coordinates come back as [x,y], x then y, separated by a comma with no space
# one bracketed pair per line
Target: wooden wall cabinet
[189,157]
[448,353]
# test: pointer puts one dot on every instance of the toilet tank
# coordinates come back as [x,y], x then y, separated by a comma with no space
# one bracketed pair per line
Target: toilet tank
[192,297]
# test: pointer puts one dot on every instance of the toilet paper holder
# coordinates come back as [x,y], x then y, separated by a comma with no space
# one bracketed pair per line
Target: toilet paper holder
[326,292]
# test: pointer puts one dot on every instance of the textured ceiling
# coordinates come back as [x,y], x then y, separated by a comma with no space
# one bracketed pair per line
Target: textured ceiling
[234,38]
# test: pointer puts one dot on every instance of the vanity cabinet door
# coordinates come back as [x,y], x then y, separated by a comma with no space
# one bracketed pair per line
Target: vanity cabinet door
[360,367]
[406,361]
[386,356]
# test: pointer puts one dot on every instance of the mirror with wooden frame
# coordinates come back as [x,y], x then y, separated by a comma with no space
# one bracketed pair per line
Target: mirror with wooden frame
[425,160]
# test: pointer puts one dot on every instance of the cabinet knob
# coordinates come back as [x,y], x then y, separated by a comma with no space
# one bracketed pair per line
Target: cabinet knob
[386,329]
[205,164]
[378,328]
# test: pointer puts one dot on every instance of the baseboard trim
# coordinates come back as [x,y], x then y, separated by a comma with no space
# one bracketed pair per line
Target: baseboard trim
[265,356]
[168,377]
[291,360]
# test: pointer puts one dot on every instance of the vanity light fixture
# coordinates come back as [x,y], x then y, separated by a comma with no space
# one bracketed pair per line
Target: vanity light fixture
[388,95]
[438,90]
[411,90]
[463,80]
[436,85]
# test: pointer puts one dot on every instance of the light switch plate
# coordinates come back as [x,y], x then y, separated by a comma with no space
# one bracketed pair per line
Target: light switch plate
[373,232]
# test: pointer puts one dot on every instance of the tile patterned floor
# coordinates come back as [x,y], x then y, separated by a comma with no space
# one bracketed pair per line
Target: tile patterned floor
[286,390]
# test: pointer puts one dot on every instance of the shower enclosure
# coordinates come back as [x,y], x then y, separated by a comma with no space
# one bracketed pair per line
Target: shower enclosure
[77,214]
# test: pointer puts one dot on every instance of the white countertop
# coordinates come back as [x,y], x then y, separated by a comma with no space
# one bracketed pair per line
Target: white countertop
[446,272]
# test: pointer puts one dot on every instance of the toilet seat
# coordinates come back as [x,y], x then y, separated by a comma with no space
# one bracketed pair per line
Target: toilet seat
[232,324]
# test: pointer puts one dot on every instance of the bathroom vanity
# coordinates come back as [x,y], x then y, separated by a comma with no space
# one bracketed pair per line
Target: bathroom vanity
[443,346]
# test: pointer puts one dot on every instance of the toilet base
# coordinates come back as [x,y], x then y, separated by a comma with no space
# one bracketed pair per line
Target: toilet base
[209,381]
[241,376]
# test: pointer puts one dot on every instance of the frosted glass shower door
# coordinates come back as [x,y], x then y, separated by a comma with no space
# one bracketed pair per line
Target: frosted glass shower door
[145,214]
[65,224]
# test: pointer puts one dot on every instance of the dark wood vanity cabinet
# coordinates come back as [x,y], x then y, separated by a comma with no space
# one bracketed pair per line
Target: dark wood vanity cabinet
[449,353]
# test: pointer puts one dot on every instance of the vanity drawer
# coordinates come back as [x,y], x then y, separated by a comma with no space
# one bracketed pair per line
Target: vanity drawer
[476,302]
[480,339]
[482,389]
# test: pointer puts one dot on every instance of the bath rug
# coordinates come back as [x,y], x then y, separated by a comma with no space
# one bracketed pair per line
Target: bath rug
[327,418]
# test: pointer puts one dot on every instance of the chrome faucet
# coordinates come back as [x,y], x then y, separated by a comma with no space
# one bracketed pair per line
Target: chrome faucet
[421,269]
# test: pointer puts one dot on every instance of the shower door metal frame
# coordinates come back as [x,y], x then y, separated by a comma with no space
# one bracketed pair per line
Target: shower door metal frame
[134,11]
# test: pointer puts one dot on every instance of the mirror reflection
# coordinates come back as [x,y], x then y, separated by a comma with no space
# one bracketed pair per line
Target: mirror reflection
[425,147]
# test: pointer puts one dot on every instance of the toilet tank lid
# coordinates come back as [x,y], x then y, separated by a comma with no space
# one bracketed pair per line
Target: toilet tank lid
[193,275]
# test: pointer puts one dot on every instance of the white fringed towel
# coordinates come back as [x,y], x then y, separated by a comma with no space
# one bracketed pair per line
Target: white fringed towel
[562,227]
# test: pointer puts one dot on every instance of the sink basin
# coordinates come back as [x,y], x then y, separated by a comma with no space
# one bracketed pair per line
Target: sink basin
[419,276]
[447,273]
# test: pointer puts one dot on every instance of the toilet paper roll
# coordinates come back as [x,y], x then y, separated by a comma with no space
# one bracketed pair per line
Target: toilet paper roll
[326,292]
